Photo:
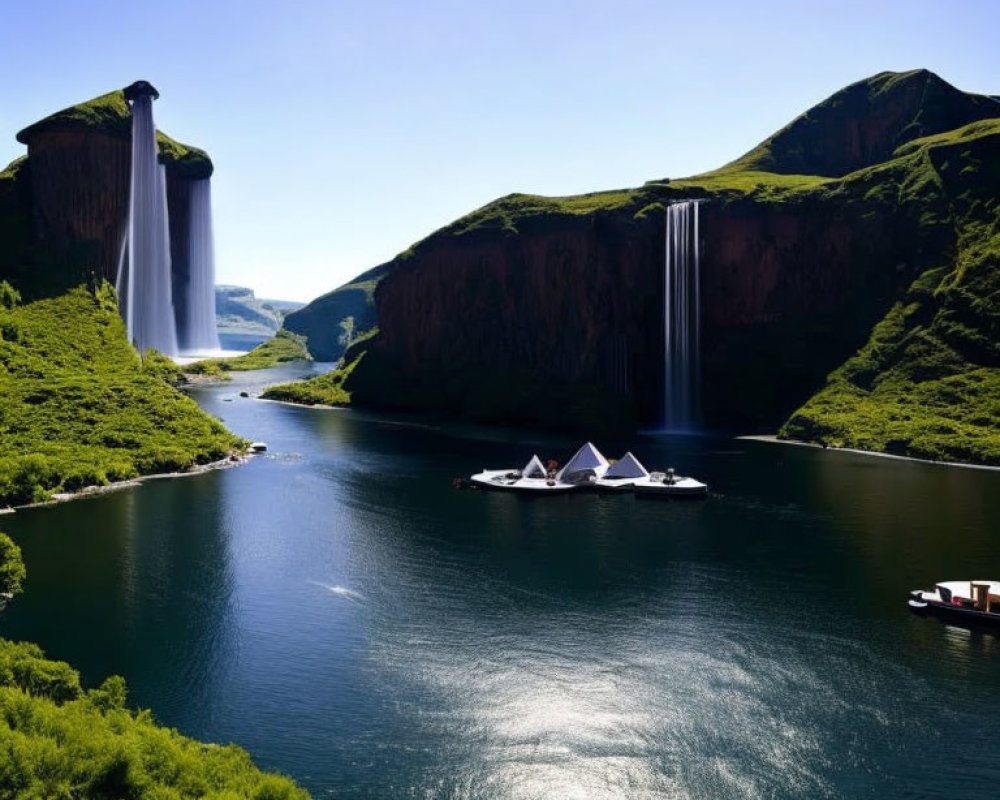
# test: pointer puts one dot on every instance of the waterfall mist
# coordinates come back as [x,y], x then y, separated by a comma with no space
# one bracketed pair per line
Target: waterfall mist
[149,309]
[198,331]
[681,344]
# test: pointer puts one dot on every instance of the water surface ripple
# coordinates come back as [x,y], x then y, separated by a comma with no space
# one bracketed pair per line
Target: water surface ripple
[339,610]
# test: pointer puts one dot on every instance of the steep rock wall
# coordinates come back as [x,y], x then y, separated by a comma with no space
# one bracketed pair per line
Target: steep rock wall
[80,187]
[73,189]
[580,302]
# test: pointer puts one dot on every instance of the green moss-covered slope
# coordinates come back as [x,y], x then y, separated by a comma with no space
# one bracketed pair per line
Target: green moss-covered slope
[58,740]
[328,389]
[284,346]
[864,123]
[927,383]
[79,408]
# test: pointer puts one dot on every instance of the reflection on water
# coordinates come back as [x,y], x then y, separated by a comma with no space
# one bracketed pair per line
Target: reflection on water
[338,609]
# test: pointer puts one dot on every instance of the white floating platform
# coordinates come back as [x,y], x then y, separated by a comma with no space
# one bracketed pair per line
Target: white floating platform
[510,480]
[659,484]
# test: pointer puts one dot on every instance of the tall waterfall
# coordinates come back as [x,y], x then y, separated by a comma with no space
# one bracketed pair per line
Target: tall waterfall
[198,331]
[681,343]
[149,309]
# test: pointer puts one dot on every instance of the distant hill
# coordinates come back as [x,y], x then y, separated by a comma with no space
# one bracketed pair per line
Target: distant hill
[238,310]
[864,123]
[336,319]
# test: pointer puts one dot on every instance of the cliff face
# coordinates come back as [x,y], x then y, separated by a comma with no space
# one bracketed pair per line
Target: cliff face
[331,322]
[583,303]
[531,301]
[80,188]
[74,190]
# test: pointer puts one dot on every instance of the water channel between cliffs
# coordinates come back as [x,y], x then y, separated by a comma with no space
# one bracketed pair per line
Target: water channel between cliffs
[339,610]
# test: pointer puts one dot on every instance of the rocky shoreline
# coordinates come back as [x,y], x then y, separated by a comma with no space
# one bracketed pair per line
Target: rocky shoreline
[116,486]
[798,443]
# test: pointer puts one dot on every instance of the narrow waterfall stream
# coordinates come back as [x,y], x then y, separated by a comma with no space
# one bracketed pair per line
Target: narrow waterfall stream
[149,304]
[198,332]
[681,343]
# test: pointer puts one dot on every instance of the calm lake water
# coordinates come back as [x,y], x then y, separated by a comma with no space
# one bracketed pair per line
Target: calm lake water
[342,612]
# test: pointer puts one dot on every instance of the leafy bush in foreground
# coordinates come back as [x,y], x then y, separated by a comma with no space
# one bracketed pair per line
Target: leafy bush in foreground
[59,741]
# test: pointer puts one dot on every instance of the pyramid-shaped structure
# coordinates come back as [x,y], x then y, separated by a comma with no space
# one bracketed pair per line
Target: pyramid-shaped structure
[587,457]
[627,466]
[534,469]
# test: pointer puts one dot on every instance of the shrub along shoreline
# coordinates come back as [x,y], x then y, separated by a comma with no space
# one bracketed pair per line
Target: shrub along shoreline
[79,408]
[58,739]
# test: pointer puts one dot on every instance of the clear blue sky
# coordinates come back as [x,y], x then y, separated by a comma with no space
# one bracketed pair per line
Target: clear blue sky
[344,131]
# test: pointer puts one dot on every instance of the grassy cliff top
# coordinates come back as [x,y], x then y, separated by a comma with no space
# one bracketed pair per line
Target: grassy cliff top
[9,172]
[507,212]
[906,112]
[110,114]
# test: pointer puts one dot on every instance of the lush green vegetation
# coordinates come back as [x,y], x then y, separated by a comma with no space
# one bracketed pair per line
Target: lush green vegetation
[12,570]
[109,113]
[285,346]
[58,740]
[325,389]
[927,383]
[760,185]
[509,213]
[79,408]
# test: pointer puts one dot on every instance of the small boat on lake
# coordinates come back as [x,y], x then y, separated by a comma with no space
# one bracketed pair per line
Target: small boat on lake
[970,602]
[580,473]
[669,485]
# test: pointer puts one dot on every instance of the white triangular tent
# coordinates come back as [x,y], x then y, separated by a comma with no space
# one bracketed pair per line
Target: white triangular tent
[534,469]
[627,466]
[587,457]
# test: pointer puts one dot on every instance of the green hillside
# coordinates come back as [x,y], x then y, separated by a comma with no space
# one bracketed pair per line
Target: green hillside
[333,321]
[79,408]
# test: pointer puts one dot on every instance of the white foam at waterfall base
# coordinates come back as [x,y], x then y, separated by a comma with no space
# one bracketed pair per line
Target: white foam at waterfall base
[682,317]
[190,356]
[199,332]
[149,309]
